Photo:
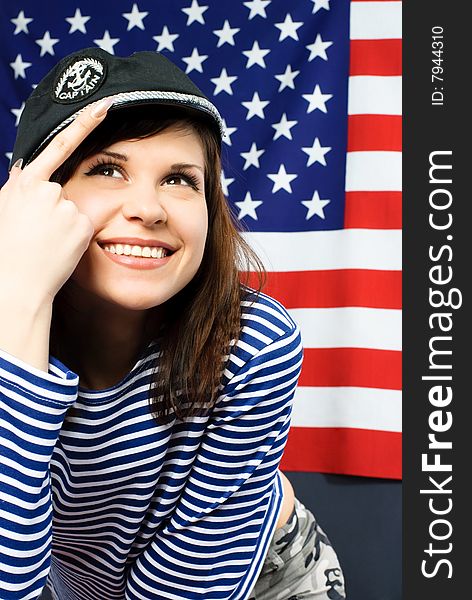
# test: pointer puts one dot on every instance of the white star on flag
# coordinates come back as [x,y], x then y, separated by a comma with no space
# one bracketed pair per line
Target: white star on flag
[318,48]
[9,155]
[316,153]
[248,207]
[288,28]
[286,79]
[19,67]
[282,180]
[106,42]
[21,23]
[17,112]
[225,183]
[283,127]
[165,40]
[77,22]
[315,206]
[255,56]
[135,18]
[195,13]
[223,83]
[257,7]
[226,35]
[319,4]
[228,133]
[255,107]
[252,157]
[317,100]
[195,61]
[47,44]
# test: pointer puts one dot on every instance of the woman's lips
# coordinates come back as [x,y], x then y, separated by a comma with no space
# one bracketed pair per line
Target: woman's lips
[137,262]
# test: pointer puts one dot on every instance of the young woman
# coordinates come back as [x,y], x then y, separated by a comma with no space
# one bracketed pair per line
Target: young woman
[145,389]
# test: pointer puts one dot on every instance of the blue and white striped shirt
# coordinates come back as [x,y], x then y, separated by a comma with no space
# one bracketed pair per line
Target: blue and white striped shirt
[102,503]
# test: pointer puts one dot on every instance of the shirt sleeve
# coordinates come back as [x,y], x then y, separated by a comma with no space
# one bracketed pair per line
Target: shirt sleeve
[214,545]
[33,405]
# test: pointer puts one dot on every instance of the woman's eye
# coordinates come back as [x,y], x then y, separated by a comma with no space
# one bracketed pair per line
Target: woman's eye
[177,180]
[105,170]
[110,172]
[188,180]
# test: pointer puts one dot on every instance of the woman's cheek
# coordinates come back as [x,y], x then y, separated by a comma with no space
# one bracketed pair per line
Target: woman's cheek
[192,221]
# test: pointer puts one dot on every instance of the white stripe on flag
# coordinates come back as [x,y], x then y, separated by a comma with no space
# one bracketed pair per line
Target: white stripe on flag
[373,171]
[376,20]
[374,95]
[325,250]
[350,327]
[361,408]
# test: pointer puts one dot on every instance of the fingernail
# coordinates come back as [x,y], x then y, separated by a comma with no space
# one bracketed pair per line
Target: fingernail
[18,164]
[101,108]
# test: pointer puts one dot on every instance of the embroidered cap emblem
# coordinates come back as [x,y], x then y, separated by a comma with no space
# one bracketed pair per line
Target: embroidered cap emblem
[79,80]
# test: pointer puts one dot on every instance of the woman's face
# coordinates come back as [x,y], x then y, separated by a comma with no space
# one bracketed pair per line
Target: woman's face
[150,189]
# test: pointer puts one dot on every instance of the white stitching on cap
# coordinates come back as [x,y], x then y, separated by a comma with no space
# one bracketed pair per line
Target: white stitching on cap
[126,97]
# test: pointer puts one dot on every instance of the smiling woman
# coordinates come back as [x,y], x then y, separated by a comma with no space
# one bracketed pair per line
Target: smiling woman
[146,389]
[157,169]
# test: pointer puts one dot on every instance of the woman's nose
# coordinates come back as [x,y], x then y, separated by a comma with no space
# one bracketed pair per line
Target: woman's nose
[145,202]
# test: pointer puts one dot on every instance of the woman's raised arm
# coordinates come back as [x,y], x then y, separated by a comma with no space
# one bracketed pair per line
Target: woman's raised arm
[42,238]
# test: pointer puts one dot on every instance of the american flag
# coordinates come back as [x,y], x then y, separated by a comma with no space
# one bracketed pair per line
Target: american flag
[311,95]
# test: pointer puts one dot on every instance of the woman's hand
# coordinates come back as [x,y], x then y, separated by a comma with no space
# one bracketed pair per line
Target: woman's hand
[42,234]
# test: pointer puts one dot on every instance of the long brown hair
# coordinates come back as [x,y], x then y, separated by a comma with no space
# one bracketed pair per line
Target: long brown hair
[202,321]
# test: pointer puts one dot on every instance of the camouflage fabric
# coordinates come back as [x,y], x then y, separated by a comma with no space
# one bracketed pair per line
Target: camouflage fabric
[301,563]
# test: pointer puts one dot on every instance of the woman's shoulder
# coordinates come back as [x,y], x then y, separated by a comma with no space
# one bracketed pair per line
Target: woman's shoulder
[264,322]
[259,310]
[268,335]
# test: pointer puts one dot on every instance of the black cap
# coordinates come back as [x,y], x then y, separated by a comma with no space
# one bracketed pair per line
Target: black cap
[91,74]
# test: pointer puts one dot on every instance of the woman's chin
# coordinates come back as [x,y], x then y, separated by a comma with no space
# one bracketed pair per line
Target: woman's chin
[129,296]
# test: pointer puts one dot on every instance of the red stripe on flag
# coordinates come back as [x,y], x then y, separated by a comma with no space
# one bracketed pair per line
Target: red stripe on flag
[374,132]
[376,57]
[330,289]
[373,210]
[344,451]
[358,367]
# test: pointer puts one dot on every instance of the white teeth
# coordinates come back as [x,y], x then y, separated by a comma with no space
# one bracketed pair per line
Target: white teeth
[146,251]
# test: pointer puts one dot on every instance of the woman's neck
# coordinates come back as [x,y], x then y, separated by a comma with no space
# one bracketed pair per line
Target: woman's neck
[101,344]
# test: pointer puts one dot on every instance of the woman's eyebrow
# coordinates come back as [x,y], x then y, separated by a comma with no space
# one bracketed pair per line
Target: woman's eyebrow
[116,155]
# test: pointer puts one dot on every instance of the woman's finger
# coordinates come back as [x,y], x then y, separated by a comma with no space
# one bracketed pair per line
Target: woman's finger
[65,142]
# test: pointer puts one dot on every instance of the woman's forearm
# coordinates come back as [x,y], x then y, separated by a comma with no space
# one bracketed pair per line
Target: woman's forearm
[25,329]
